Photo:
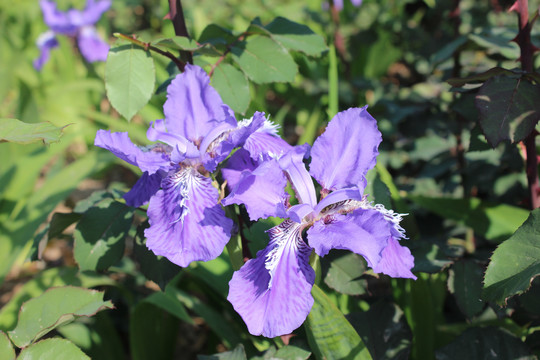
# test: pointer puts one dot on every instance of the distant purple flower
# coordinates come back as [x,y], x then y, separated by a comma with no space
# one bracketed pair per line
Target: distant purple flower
[187,223]
[339,3]
[73,23]
[272,292]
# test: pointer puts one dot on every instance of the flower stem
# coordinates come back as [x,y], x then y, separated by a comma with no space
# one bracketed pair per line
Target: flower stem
[176,15]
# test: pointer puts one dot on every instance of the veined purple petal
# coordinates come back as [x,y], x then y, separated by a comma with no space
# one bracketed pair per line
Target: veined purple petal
[93,11]
[239,161]
[396,261]
[342,155]
[121,146]
[58,21]
[299,177]
[144,189]
[186,222]
[92,47]
[298,212]
[193,107]
[262,191]
[338,196]
[272,292]
[363,231]
[45,43]
[265,141]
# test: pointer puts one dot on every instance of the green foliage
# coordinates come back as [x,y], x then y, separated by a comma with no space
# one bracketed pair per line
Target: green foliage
[6,348]
[514,263]
[344,272]
[129,79]
[14,130]
[52,349]
[232,85]
[54,308]
[465,282]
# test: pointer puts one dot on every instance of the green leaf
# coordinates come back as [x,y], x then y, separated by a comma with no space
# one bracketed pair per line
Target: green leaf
[57,306]
[387,319]
[263,60]
[239,353]
[59,276]
[514,263]
[129,79]
[465,282]
[60,221]
[6,348]
[234,249]
[330,335]
[233,87]
[182,43]
[290,352]
[484,343]
[509,108]
[481,77]
[53,349]
[14,130]
[494,222]
[343,272]
[99,235]
[169,303]
[296,36]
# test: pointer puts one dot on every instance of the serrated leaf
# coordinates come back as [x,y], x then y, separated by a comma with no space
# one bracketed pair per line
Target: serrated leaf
[330,335]
[6,348]
[129,79]
[99,235]
[263,60]
[509,108]
[57,306]
[53,349]
[465,282]
[232,86]
[239,353]
[343,272]
[13,130]
[494,222]
[484,343]
[515,262]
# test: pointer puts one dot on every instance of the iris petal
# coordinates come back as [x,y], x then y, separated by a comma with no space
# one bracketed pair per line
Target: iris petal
[396,261]
[272,292]
[92,47]
[144,188]
[186,223]
[299,177]
[45,43]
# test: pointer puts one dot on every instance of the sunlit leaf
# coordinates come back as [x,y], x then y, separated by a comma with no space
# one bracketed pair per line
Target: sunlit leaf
[233,87]
[14,130]
[53,349]
[343,272]
[6,348]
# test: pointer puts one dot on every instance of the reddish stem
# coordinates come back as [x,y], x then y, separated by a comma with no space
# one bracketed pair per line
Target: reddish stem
[176,14]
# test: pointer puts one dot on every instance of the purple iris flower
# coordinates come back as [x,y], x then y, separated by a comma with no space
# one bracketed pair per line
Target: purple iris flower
[73,23]
[272,292]
[187,223]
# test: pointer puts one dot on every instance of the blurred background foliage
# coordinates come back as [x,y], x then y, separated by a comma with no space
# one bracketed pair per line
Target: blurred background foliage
[463,198]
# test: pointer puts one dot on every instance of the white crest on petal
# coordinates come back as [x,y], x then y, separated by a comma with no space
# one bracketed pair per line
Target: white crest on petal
[267,127]
[184,180]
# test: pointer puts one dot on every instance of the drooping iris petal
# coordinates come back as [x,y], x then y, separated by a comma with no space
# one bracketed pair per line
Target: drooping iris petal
[272,292]
[144,189]
[363,231]
[56,20]
[299,177]
[193,107]
[239,161]
[92,47]
[121,146]
[186,222]
[45,43]
[262,191]
[396,261]
[93,11]
[342,155]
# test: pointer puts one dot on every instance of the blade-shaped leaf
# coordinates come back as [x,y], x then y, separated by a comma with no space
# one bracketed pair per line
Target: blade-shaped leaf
[232,85]
[14,130]
[515,262]
[263,60]
[129,79]
[55,307]
[509,108]
[330,335]
[99,235]
[53,349]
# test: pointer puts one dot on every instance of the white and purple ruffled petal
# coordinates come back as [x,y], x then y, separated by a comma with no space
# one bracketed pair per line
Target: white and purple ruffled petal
[262,191]
[152,160]
[362,231]
[144,189]
[396,261]
[186,222]
[193,107]
[265,142]
[272,292]
[342,155]
[45,43]
[92,47]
